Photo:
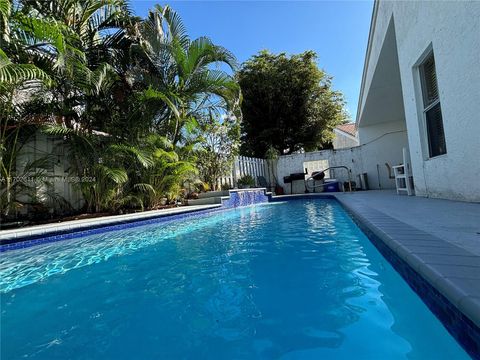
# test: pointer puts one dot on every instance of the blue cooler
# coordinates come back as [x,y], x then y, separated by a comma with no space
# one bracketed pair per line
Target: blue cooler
[331,185]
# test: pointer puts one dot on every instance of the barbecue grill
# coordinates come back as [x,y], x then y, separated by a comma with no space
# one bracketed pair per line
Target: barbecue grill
[294,177]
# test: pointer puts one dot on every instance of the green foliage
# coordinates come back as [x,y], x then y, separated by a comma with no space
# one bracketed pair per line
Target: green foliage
[288,104]
[125,97]
[177,72]
[218,144]
[167,173]
[246,181]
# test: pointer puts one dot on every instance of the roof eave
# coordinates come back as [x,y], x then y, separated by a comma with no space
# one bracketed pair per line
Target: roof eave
[367,58]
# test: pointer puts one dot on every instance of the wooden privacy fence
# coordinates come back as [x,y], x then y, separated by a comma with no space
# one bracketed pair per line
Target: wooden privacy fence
[242,166]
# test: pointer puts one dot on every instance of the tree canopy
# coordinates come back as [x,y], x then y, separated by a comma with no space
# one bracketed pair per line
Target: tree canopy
[288,104]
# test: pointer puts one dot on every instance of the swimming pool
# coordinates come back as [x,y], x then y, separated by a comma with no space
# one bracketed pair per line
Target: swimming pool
[294,280]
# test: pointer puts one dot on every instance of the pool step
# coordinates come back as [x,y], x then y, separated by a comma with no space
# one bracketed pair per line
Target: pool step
[206,200]
[210,194]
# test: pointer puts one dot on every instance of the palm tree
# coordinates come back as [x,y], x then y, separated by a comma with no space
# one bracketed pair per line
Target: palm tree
[79,44]
[181,83]
[167,173]
[122,93]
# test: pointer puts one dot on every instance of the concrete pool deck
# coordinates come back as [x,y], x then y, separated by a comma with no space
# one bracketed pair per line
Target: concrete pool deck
[453,221]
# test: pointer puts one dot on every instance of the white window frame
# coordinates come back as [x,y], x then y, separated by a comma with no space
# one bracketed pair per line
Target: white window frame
[421,109]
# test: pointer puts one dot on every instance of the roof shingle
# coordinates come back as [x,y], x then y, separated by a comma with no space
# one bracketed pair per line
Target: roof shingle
[347,128]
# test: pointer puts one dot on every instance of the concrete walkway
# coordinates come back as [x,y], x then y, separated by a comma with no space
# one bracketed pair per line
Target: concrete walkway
[453,221]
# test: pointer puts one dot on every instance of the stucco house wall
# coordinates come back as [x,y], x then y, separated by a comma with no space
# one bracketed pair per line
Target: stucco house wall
[342,140]
[452,31]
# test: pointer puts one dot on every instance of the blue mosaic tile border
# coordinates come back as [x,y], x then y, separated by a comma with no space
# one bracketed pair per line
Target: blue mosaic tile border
[236,200]
[457,324]
[101,228]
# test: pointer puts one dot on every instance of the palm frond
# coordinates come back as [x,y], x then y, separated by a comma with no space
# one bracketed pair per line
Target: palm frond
[141,156]
[145,188]
[151,94]
[117,175]
[101,79]
[18,73]
[80,138]
[5,11]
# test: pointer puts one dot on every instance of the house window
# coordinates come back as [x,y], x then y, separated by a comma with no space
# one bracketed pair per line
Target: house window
[431,108]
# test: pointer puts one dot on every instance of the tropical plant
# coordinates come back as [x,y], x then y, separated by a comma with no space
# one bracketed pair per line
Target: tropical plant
[15,124]
[103,167]
[218,143]
[75,42]
[124,97]
[181,84]
[167,173]
[246,181]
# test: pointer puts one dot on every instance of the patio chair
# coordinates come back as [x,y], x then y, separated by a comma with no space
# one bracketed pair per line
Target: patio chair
[262,182]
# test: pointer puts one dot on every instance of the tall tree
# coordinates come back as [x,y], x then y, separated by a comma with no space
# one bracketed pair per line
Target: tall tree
[183,76]
[288,104]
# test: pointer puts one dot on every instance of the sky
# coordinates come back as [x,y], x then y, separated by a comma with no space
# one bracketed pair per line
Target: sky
[336,30]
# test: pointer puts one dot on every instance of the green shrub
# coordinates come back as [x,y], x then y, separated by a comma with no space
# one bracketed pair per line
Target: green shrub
[246,180]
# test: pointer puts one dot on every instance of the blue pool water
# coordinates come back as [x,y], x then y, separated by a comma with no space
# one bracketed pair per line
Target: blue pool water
[293,280]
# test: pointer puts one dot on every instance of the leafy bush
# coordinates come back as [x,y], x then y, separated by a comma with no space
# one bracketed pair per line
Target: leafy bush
[246,181]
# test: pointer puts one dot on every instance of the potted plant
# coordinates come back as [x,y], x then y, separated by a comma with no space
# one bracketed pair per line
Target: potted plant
[246,182]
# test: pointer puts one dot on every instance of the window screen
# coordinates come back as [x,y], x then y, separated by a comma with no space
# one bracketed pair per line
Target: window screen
[436,137]
[432,108]
[430,90]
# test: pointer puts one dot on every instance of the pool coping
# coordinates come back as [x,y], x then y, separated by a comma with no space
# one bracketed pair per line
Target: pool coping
[441,263]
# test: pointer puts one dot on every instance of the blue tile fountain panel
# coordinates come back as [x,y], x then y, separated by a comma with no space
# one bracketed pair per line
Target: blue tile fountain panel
[245,197]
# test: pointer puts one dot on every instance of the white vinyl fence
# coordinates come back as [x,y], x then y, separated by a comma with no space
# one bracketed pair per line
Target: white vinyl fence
[242,166]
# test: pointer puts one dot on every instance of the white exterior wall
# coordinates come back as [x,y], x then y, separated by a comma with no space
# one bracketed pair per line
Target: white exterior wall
[360,159]
[342,140]
[391,138]
[452,30]
[294,163]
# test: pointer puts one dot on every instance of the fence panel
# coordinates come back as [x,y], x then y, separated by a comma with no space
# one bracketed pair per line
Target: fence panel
[242,166]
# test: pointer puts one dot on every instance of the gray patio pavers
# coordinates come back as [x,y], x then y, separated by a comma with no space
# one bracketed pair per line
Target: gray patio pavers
[456,222]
